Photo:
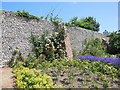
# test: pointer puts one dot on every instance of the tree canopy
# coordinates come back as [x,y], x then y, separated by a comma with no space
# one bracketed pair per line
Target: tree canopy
[87,23]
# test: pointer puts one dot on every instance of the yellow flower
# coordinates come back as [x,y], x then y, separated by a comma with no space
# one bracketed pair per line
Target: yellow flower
[36,86]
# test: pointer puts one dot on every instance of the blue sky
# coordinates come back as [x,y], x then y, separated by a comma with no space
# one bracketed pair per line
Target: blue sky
[106,13]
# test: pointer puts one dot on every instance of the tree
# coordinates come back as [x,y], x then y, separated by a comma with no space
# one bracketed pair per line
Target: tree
[88,23]
[105,32]
[118,30]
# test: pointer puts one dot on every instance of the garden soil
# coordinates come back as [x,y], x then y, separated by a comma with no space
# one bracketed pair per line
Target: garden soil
[6,78]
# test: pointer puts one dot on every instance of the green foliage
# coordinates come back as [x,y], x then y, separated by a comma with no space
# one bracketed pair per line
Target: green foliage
[106,32]
[27,15]
[53,18]
[49,16]
[114,43]
[16,57]
[88,23]
[94,47]
[91,66]
[83,67]
[47,47]
[30,78]
[31,61]
[118,55]
[50,47]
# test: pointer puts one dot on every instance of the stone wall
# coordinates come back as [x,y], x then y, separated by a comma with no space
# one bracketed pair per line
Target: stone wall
[78,35]
[0,37]
[15,33]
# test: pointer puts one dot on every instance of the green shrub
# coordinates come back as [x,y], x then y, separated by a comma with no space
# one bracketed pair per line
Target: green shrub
[16,56]
[30,61]
[114,43]
[118,55]
[50,46]
[27,15]
[30,78]
[94,47]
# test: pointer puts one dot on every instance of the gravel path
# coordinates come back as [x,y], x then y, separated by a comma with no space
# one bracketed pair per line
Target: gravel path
[6,78]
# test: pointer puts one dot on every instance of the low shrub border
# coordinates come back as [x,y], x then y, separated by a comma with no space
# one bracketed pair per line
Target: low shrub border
[30,78]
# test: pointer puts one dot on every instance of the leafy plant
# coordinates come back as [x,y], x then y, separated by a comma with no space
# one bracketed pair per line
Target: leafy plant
[114,43]
[55,18]
[30,78]
[16,57]
[27,15]
[30,61]
[88,23]
[49,16]
[50,46]
[94,47]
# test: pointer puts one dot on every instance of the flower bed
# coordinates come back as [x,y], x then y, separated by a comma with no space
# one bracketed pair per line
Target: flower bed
[30,78]
[115,61]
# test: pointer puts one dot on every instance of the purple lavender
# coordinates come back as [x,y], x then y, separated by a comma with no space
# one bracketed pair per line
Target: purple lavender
[115,61]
